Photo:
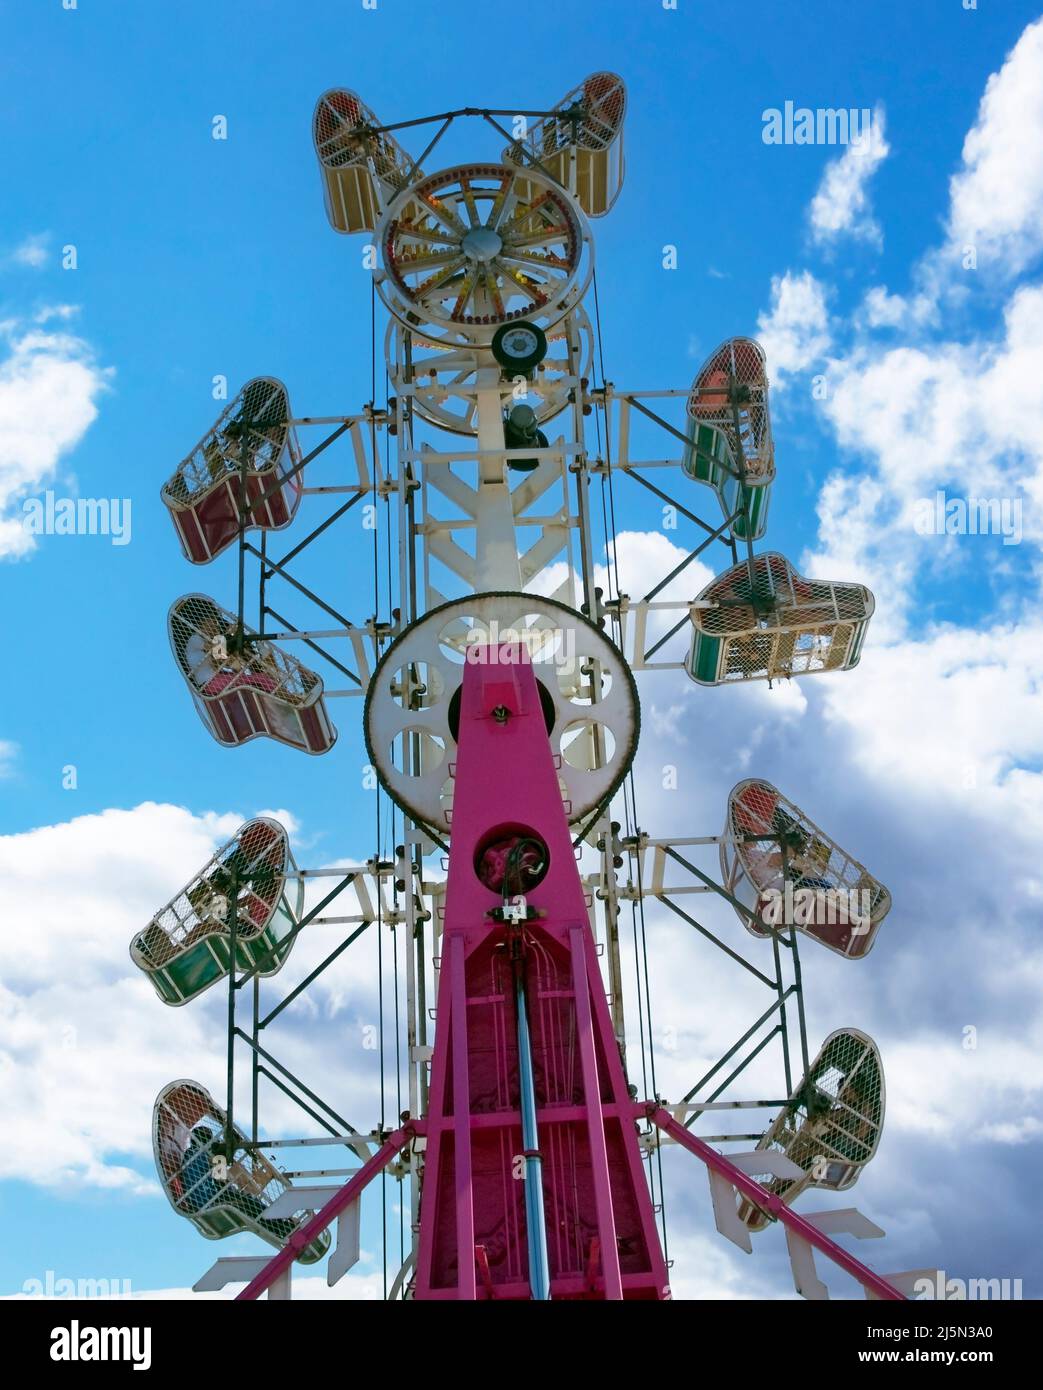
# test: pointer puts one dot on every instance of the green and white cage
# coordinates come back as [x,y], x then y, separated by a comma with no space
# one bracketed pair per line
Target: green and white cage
[187,947]
[761,620]
[729,440]
[221,1194]
[832,1125]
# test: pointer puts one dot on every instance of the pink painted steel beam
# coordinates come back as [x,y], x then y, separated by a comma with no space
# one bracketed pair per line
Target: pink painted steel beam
[770,1203]
[279,1263]
[467,1283]
[595,1119]
[474,1237]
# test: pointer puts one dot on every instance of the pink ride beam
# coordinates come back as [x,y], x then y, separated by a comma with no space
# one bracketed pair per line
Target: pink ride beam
[600,1227]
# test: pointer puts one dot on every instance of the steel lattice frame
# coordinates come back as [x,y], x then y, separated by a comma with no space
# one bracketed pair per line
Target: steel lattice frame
[629,867]
[392,456]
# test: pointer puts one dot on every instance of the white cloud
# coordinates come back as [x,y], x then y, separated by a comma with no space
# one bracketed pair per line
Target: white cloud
[64,312]
[997,194]
[967,1087]
[32,252]
[795,333]
[49,386]
[841,204]
[881,309]
[85,1044]
[937,741]
[1019,1133]
[285,818]
[8,753]
[965,418]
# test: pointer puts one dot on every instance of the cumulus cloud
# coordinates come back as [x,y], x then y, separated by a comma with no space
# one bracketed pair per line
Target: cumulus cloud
[946,812]
[795,332]
[841,204]
[881,309]
[963,418]
[85,1044]
[956,412]
[50,383]
[997,193]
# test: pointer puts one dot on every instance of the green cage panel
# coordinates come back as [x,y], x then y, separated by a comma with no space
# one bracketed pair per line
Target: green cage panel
[761,620]
[242,686]
[221,1195]
[799,877]
[362,168]
[187,947]
[832,1126]
[248,459]
[707,458]
[581,144]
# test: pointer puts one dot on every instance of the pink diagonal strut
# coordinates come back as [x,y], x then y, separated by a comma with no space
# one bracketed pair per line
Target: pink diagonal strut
[329,1213]
[770,1202]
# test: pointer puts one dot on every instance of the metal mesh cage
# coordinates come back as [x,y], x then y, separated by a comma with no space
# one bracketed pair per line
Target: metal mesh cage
[847,902]
[346,133]
[188,1134]
[833,1125]
[253,429]
[590,116]
[216,662]
[258,858]
[730,392]
[769,622]
[581,143]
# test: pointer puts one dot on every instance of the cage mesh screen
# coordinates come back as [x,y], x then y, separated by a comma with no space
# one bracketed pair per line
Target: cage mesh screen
[187,1122]
[345,134]
[203,636]
[253,430]
[775,623]
[589,117]
[836,1124]
[257,858]
[812,858]
[731,392]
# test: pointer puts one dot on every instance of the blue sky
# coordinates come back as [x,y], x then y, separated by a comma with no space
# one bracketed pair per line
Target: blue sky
[198,257]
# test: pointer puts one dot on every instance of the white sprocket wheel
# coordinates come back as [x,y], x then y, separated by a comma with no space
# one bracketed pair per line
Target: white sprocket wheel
[587,690]
[478,246]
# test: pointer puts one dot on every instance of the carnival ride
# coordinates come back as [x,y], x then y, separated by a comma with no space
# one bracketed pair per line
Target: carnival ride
[501,718]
